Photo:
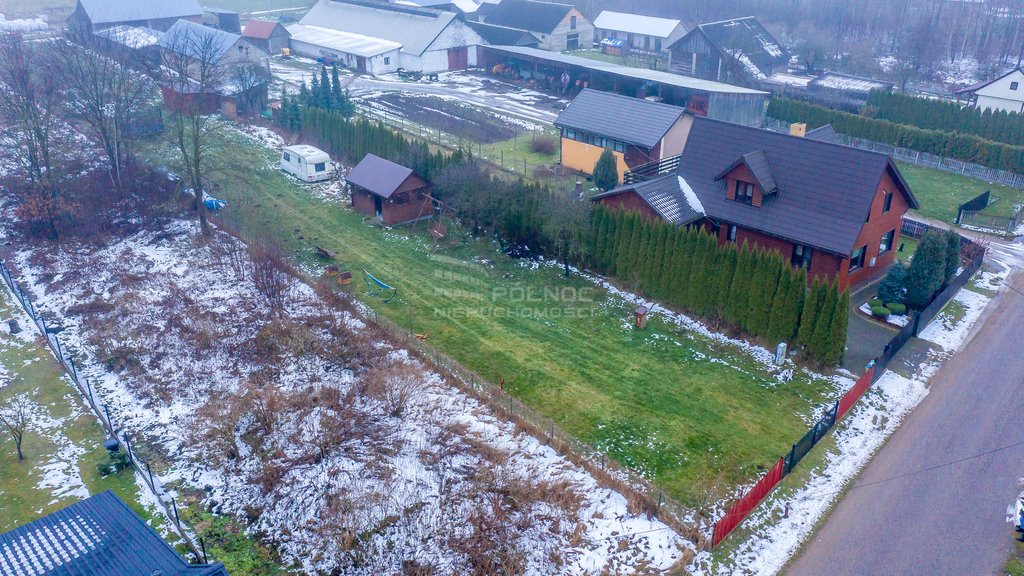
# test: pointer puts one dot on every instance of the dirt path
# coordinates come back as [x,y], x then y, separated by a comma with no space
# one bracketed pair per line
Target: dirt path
[933,500]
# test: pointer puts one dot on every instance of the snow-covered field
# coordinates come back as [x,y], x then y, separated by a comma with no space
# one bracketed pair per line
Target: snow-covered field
[280,406]
[777,531]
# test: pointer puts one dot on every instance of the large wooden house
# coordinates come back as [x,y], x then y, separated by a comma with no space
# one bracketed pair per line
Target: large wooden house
[637,131]
[388,192]
[833,209]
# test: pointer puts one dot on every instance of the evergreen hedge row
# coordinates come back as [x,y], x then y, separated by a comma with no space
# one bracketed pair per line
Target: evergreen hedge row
[749,288]
[1000,126]
[965,147]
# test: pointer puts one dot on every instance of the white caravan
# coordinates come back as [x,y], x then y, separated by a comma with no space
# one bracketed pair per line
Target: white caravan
[307,163]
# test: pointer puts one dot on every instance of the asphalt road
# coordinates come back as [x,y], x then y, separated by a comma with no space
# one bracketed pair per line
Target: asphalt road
[916,510]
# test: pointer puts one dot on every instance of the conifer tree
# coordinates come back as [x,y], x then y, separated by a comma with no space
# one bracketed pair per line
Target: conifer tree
[698,272]
[809,315]
[606,172]
[654,264]
[822,325]
[833,353]
[324,97]
[625,234]
[739,289]
[927,269]
[778,320]
[755,293]
[952,255]
[684,256]
[336,94]
[728,263]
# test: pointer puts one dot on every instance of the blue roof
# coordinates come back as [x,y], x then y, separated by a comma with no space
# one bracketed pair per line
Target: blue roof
[99,536]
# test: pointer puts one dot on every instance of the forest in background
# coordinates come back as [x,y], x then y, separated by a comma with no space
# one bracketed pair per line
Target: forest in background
[905,40]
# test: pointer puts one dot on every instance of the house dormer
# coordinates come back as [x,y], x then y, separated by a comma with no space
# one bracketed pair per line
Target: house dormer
[749,179]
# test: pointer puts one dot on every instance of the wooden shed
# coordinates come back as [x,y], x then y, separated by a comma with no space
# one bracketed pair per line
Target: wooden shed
[387,191]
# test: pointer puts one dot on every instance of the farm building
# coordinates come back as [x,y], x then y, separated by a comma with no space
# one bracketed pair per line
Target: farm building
[136,46]
[702,97]
[363,54]
[559,27]
[270,36]
[241,66]
[429,40]
[637,131]
[739,51]
[1005,93]
[504,36]
[844,91]
[226,20]
[100,536]
[93,15]
[387,191]
[643,34]
[833,209]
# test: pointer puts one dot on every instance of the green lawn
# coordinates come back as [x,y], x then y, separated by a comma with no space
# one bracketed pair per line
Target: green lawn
[940,193]
[1015,563]
[72,440]
[670,403]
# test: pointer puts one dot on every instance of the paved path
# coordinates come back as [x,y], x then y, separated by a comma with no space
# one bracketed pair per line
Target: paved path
[950,519]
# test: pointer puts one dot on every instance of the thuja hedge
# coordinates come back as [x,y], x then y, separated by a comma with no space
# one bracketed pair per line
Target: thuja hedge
[965,147]
[998,126]
[751,289]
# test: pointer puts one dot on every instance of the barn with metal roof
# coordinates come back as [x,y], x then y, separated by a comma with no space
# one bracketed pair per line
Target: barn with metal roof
[92,15]
[98,536]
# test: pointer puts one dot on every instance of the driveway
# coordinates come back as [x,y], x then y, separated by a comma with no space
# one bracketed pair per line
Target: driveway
[934,499]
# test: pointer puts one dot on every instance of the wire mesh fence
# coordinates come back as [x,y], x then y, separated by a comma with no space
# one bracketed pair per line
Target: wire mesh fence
[906,155]
[101,411]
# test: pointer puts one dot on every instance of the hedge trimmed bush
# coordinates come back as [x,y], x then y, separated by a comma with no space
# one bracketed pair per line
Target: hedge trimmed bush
[965,147]
[879,311]
[875,302]
[896,308]
[1000,126]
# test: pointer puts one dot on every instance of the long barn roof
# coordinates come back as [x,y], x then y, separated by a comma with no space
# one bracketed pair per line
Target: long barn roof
[111,11]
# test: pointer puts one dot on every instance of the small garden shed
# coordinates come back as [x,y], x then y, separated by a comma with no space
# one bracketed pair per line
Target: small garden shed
[388,191]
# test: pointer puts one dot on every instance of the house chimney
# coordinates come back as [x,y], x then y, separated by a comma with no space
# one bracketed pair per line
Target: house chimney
[798,129]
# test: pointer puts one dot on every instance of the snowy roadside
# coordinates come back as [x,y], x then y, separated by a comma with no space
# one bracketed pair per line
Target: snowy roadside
[777,532]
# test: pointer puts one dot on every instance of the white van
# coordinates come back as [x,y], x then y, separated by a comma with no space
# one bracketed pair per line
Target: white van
[307,163]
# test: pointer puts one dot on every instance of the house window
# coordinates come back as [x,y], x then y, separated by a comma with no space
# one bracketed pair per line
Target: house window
[801,256]
[731,235]
[620,147]
[744,192]
[657,44]
[714,228]
[572,42]
[572,25]
[320,166]
[887,203]
[287,157]
[1014,85]
[387,60]
[886,244]
[857,258]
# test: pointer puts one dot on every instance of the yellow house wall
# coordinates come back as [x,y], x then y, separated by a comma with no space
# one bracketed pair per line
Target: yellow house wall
[582,157]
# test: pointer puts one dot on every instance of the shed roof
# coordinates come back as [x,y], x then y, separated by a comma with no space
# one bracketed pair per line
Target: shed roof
[134,37]
[824,193]
[197,41]
[631,120]
[413,27]
[378,176]
[532,15]
[112,11]
[847,83]
[261,29]
[345,42]
[503,35]
[98,536]
[636,24]
[823,134]
[745,34]
[658,76]
[669,195]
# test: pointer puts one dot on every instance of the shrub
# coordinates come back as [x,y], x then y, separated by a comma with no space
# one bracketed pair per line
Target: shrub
[543,145]
[115,462]
[875,302]
[879,311]
[896,308]
[606,173]
[927,269]
[893,286]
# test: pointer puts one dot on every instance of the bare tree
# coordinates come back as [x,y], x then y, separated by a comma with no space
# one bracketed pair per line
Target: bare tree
[30,105]
[107,96]
[248,77]
[195,72]
[14,418]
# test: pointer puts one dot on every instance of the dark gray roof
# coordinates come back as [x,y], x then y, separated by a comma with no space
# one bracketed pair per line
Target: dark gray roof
[503,35]
[113,11]
[632,120]
[532,15]
[99,536]
[823,134]
[197,41]
[379,176]
[824,190]
[668,195]
[757,163]
[747,37]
